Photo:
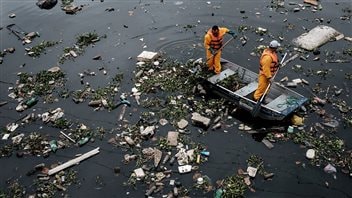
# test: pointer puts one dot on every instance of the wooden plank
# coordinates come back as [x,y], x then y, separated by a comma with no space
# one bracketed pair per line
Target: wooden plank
[247,89]
[267,143]
[278,103]
[219,77]
[73,161]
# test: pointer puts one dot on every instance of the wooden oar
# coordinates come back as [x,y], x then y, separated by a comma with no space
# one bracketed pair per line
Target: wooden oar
[257,107]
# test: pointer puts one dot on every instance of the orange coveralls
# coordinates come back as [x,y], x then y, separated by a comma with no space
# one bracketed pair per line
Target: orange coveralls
[268,67]
[210,41]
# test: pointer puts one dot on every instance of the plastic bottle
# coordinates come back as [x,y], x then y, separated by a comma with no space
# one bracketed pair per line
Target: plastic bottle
[53,145]
[290,129]
[31,102]
[205,153]
[167,157]
[218,193]
[83,141]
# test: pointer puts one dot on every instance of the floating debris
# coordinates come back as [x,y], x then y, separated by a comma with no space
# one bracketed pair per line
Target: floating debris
[83,40]
[37,50]
[316,37]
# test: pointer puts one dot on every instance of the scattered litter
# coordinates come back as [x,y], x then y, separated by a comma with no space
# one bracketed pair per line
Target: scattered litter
[12,127]
[297,80]
[198,119]
[244,127]
[110,9]
[185,169]
[46,4]
[247,181]
[205,153]
[149,131]
[172,138]
[252,171]
[318,100]
[17,139]
[268,175]
[182,124]
[284,79]
[297,120]
[312,2]
[200,180]
[139,173]
[267,143]
[129,141]
[310,154]
[5,136]
[157,157]
[68,137]
[331,123]
[12,15]
[291,84]
[163,122]
[290,129]
[216,126]
[147,56]
[330,169]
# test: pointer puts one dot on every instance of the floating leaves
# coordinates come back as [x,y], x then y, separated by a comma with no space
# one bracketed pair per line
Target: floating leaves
[42,83]
[37,50]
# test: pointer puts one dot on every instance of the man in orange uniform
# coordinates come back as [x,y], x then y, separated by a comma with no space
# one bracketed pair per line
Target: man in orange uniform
[213,43]
[269,64]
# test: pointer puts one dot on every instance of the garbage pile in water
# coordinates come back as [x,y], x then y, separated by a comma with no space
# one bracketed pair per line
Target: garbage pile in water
[157,152]
[171,96]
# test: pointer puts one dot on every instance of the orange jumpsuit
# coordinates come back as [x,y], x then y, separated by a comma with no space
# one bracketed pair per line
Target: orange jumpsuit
[210,41]
[268,67]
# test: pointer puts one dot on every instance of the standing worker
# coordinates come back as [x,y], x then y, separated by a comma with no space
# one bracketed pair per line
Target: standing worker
[269,64]
[213,46]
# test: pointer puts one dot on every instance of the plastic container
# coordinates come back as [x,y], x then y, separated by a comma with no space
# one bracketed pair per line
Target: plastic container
[205,153]
[290,129]
[53,145]
[200,180]
[83,141]
[218,193]
[185,169]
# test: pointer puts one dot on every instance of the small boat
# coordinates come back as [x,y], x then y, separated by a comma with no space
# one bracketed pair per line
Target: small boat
[237,84]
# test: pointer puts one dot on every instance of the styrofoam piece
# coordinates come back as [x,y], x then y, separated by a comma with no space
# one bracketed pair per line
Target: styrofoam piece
[297,80]
[252,171]
[185,169]
[6,136]
[147,56]
[310,154]
[316,37]
[139,173]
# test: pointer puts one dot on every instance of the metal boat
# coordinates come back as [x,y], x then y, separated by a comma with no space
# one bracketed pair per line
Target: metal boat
[279,103]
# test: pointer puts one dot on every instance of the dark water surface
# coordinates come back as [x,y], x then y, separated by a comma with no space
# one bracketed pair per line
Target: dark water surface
[176,28]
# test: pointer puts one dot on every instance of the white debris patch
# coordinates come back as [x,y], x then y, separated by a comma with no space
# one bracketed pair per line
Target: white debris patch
[316,37]
[147,56]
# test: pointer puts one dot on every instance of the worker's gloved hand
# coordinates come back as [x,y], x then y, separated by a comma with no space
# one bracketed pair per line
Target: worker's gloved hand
[232,33]
[212,50]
